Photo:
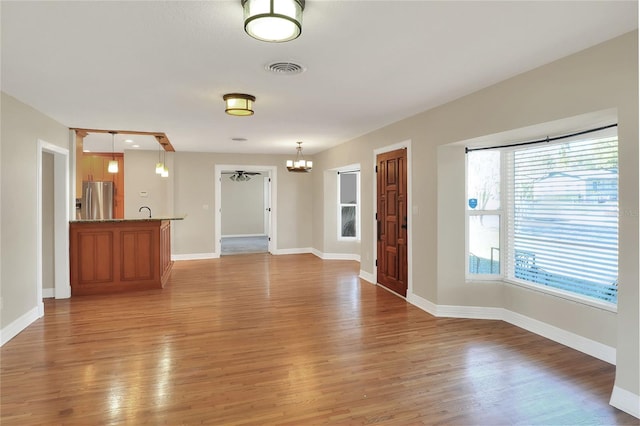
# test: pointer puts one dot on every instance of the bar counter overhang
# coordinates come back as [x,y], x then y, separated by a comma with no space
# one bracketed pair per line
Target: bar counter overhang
[117,255]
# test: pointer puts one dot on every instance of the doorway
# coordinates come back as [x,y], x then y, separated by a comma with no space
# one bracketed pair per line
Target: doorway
[392,220]
[244,204]
[245,209]
[52,231]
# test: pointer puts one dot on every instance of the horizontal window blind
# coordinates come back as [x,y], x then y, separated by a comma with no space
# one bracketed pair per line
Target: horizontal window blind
[563,217]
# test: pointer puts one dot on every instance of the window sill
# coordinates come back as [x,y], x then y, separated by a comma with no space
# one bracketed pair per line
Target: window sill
[487,279]
[605,306]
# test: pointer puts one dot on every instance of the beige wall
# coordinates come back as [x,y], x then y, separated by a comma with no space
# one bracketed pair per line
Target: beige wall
[331,243]
[22,126]
[47,221]
[604,77]
[190,190]
[242,206]
[143,187]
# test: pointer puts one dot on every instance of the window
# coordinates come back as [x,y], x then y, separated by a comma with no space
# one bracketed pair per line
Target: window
[560,219]
[484,214]
[348,201]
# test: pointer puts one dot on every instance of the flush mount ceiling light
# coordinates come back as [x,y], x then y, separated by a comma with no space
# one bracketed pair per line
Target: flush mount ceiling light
[239,104]
[299,165]
[273,20]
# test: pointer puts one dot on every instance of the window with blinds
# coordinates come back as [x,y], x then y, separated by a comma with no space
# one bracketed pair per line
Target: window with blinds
[560,218]
[563,217]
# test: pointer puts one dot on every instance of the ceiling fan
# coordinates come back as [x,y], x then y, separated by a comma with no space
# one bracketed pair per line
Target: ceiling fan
[241,175]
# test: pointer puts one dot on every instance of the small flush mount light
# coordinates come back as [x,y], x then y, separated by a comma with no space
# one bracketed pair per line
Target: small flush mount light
[299,165]
[239,104]
[273,20]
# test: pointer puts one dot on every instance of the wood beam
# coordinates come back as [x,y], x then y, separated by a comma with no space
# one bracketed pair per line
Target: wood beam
[161,137]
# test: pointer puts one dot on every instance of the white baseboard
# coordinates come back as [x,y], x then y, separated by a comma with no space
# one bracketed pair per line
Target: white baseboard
[626,401]
[590,347]
[367,276]
[293,251]
[48,293]
[336,256]
[195,256]
[9,332]
[473,312]
[422,303]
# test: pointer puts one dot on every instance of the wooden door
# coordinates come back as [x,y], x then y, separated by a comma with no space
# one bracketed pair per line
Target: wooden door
[391,219]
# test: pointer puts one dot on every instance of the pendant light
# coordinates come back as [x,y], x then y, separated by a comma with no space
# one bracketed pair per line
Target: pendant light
[299,165]
[159,164]
[113,164]
[165,169]
[273,20]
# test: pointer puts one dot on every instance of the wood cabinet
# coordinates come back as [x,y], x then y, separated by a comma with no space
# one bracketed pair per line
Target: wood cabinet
[94,168]
[116,256]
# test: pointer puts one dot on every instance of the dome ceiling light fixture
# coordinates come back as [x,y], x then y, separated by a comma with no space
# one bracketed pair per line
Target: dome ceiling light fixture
[299,165]
[273,21]
[239,104]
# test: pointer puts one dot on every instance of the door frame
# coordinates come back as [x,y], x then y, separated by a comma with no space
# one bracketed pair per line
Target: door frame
[272,172]
[400,145]
[61,206]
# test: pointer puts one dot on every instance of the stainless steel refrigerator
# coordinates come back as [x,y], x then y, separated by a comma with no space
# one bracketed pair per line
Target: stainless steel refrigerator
[97,200]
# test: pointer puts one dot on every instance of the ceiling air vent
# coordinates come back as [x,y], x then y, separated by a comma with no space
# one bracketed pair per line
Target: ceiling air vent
[285,68]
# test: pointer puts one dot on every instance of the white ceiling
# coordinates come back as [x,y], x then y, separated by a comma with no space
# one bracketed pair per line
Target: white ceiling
[102,142]
[161,66]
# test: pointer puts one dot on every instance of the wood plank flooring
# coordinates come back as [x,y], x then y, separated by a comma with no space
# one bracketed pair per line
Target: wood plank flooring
[288,340]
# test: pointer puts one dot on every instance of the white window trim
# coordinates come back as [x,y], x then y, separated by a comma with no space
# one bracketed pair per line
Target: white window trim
[502,278]
[500,213]
[485,277]
[574,297]
[356,171]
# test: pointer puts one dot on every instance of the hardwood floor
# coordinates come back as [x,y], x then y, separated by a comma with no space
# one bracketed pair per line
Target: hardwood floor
[262,340]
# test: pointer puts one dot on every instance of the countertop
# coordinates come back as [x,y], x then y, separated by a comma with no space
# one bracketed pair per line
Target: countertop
[130,219]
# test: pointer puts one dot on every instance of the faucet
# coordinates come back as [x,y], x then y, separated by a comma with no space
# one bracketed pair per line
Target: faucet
[145,207]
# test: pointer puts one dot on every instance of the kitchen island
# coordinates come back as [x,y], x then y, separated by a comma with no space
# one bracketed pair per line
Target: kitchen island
[117,255]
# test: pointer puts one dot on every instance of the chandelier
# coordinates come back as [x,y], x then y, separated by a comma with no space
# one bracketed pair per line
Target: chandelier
[299,165]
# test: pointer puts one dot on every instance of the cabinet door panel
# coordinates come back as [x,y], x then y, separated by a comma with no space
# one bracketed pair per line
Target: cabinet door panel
[95,266]
[137,255]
